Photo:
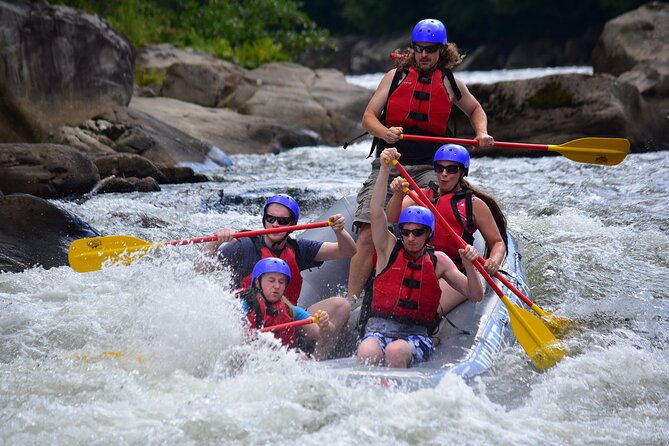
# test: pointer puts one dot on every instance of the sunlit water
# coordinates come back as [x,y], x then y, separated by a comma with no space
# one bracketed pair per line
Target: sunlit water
[594,242]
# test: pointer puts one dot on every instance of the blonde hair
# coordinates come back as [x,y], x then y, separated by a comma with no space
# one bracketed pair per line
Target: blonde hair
[449,57]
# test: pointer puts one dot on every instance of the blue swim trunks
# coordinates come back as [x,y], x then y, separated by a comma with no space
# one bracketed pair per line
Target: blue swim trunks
[421,346]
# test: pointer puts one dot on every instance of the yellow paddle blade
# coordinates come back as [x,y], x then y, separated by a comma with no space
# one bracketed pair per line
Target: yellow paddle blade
[557,324]
[541,346]
[605,151]
[89,254]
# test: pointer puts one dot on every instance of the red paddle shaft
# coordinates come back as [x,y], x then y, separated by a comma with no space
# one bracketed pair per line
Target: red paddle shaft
[474,142]
[279,327]
[213,238]
[419,197]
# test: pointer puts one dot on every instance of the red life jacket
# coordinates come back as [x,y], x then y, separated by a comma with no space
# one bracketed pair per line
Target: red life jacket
[407,289]
[420,101]
[456,208]
[289,253]
[264,314]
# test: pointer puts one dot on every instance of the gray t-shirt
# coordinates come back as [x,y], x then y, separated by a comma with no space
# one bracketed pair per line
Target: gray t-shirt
[241,256]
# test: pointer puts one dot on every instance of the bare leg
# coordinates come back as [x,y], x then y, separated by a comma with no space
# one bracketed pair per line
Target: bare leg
[398,354]
[339,311]
[361,263]
[450,298]
[370,352]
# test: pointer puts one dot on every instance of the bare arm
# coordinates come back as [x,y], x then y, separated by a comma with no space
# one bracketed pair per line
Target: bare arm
[472,108]
[469,285]
[383,240]
[343,248]
[493,239]
[207,262]
[370,119]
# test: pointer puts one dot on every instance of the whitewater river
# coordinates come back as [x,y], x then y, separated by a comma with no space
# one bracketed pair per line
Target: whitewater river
[595,241]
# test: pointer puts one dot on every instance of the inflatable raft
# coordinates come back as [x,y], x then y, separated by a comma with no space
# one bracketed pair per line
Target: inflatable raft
[467,342]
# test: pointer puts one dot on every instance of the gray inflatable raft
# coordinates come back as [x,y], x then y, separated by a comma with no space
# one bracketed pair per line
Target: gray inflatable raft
[468,339]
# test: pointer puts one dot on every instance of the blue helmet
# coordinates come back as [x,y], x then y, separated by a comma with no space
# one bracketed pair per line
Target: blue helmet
[417,214]
[429,30]
[270,265]
[455,153]
[287,201]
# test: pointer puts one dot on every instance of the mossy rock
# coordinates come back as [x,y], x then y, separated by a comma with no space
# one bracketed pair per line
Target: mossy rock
[151,76]
[551,95]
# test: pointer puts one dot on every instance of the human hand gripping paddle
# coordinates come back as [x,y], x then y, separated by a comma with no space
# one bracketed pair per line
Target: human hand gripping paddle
[605,151]
[293,324]
[536,339]
[89,254]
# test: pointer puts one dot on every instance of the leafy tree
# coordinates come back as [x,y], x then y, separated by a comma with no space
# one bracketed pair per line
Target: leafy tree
[248,32]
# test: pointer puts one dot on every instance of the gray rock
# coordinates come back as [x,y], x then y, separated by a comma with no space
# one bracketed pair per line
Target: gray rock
[556,109]
[60,67]
[204,84]
[128,165]
[639,36]
[36,232]
[146,184]
[45,170]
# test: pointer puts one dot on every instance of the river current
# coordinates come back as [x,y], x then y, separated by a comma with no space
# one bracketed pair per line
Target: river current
[152,353]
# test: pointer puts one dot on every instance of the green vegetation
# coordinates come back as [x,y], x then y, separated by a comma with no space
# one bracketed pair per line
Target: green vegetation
[246,32]
[551,95]
[253,32]
[473,22]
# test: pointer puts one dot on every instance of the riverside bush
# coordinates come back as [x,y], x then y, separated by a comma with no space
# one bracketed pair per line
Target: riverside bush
[246,32]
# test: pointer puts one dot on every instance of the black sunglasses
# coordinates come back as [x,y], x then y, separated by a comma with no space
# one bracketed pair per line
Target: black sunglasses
[428,49]
[416,232]
[283,221]
[451,168]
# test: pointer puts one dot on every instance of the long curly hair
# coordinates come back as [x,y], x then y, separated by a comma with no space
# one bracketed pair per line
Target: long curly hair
[449,57]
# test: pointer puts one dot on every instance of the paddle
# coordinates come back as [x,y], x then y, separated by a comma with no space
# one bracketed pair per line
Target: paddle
[557,323]
[605,151]
[541,346]
[89,254]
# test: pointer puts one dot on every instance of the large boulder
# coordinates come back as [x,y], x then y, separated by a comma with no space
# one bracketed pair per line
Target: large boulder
[36,233]
[269,108]
[58,65]
[45,170]
[318,100]
[224,128]
[635,47]
[558,108]
[208,84]
[637,37]
[129,130]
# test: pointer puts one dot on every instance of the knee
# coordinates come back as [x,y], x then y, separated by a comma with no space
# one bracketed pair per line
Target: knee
[341,311]
[398,355]
[364,240]
[369,352]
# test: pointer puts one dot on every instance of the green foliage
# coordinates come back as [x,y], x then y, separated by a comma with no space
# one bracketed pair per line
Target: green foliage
[247,32]
[149,77]
[474,21]
[551,95]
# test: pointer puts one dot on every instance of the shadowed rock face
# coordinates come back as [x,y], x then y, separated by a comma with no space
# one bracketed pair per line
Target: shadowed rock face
[59,66]
[556,109]
[45,170]
[35,232]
